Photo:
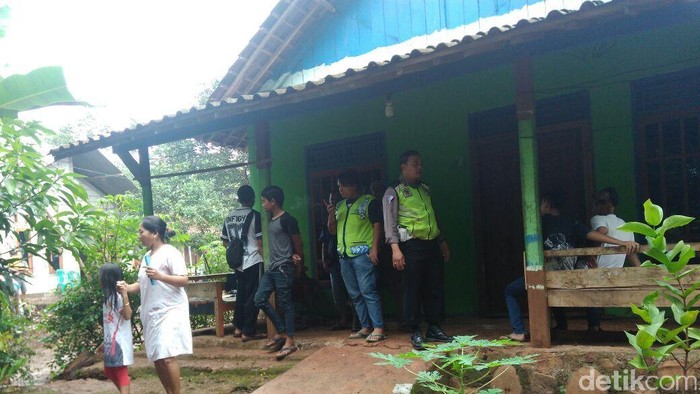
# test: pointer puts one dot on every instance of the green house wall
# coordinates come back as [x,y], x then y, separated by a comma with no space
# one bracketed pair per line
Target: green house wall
[434,120]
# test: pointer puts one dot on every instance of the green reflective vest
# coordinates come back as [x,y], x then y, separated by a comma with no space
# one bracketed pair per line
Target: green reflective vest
[416,212]
[355,230]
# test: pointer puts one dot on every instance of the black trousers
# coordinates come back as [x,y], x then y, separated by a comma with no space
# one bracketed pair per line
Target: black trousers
[423,282]
[245,313]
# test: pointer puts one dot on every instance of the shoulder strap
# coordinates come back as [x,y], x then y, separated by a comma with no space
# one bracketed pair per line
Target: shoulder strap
[246,227]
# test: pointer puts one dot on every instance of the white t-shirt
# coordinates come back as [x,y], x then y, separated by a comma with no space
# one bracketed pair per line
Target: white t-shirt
[233,225]
[165,311]
[119,347]
[612,222]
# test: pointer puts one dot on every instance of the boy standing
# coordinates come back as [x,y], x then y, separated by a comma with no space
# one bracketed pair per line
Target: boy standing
[286,258]
[243,225]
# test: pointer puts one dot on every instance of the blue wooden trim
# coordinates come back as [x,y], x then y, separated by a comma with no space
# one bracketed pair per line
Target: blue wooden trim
[418,25]
[391,22]
[365,26]
[433,20]
[470,13]
[359,26]
[454,13]
[403,11]
[353,32]
[377,24]
[341,40]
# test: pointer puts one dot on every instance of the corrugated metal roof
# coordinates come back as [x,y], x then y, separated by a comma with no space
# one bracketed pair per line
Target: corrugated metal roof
[416,59]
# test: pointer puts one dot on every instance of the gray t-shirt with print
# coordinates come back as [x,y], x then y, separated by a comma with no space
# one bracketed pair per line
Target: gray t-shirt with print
[280,231]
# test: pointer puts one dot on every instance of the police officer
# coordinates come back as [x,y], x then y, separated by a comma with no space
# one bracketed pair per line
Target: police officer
[417,249]
[357,222]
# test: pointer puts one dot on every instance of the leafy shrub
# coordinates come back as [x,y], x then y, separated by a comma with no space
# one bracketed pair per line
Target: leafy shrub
[14,351]
[675,287]
[458,367]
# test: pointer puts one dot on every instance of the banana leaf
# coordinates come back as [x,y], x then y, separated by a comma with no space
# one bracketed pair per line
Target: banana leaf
[40,88]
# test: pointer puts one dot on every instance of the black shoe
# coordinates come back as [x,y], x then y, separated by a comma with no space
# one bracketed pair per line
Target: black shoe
[417,340]
[435,334]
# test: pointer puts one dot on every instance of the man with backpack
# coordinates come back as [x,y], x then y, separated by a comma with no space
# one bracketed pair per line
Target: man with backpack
[242,237]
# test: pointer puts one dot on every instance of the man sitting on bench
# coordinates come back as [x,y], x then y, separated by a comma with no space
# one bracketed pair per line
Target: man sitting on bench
[558,232]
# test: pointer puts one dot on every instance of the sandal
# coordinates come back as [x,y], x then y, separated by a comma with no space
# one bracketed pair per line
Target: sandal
[284,352]
[253,338]
[516,337]
[372,338]
[237,334]
[275,345]
[358,335]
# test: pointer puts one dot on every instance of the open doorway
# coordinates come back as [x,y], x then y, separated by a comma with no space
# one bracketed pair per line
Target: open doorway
[565,162]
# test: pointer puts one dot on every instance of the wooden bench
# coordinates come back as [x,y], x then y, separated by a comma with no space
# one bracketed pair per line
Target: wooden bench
[597,287]
[205,290]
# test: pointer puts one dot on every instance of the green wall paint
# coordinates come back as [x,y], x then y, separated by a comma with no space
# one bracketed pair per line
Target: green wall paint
[605,69]
[432,120]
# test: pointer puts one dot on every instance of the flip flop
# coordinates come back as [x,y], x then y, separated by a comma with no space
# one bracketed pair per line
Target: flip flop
[284,352]
[275,345]
[511,336]
[237,334]
[253,338]
[358,335]
[372,338]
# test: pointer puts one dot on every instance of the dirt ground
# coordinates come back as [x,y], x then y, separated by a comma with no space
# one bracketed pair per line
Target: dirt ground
[329,362]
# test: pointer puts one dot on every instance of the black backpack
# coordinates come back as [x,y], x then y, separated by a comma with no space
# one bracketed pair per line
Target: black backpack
[236,246]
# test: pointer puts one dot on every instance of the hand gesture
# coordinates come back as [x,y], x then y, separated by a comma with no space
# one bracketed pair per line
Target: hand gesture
[632,247]
[374,255]
[397,259]
[445,251]
[330,206]
[297,259]
[153,273]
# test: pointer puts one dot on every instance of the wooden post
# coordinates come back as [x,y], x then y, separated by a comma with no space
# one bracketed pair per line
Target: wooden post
[145,181]
[219,309]
[534,257]
[263,163]
[141,171]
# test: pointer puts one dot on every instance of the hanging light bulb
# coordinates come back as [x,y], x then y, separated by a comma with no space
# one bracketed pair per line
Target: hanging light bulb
[388,107]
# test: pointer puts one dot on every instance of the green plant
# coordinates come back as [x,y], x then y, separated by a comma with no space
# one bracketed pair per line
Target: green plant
[213,259]
[459,366]
[676,286]
[74,323]
[14,351]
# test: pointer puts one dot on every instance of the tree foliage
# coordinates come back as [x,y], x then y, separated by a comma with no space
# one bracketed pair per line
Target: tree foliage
[52,205]
[74,323]
[198,202]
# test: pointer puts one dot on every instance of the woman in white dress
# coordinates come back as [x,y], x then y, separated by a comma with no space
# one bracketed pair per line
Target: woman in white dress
[165,312]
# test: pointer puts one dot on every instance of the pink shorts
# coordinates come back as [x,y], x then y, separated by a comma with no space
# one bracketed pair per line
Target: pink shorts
[118,375]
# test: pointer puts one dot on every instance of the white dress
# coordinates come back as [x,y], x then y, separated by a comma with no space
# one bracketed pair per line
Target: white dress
[165,313]
[119,348]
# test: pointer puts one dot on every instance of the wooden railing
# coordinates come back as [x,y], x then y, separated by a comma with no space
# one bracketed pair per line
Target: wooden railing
[596,287]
